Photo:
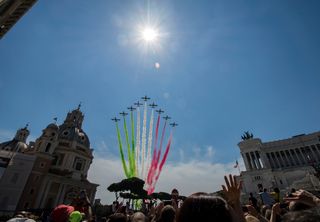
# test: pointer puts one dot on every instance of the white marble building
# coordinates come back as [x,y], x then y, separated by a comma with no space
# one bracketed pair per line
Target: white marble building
[285,164]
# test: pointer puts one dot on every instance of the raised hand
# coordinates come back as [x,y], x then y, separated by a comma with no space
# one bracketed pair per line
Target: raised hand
[233,190]
[305,197]
[232,194]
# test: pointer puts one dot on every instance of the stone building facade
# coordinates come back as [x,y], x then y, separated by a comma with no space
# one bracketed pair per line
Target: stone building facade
[287,163]
[11,11]
[61,158]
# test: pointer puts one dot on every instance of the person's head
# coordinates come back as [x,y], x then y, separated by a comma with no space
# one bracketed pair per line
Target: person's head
[61,213]
[159,208]
[265,190]
[122,209]
[204,207]
[293,190]
[310,215]
[168,214]
[260,187]
[276,190]
[117,217]
[251,195]
[138,217]
[174,194]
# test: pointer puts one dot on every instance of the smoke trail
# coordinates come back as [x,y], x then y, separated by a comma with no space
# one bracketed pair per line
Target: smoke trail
[137,163]
[144,132]
[157,156]
[161,164]
[153,165]
[124,165]
[148,162]
[161,142]
[128,146]
[132,153]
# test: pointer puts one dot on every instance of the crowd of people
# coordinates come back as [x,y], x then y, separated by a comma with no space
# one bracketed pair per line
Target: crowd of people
[298,206]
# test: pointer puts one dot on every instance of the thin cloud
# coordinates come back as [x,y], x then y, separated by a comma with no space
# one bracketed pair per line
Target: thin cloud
[197,151]
[166,95]
[6,135]
[210,151]
[188,178]
[181,154]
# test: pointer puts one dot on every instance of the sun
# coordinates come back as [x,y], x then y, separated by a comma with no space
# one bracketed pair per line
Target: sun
[149,34]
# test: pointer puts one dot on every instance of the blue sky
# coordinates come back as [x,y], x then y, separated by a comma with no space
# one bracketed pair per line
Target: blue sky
[226,67]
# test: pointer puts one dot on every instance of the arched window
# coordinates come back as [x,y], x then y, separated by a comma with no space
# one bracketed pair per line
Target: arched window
[48,147]
[79,163]
[55,160]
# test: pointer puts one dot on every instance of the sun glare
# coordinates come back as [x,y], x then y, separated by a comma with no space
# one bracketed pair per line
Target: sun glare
[149,34]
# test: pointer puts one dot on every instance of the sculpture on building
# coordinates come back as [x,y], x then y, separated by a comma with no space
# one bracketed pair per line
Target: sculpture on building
[247,135]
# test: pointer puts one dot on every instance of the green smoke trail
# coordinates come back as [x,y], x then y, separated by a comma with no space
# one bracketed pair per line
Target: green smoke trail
[137,147]
[133,161]
[128,146]
[124,165]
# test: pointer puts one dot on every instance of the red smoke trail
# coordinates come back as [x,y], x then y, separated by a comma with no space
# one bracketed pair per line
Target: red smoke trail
[151,189]
[159,153]
[151,169]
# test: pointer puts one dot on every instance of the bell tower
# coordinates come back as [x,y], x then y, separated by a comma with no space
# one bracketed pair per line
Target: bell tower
[22,134]
[47,142]
[74,118]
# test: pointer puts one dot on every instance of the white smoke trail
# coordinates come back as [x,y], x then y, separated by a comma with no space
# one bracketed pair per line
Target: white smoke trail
[144,140]
[148,162]
[137,162]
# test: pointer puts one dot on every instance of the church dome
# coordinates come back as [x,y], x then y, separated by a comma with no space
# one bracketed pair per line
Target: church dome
[52,126]
[73,133]
[21,146]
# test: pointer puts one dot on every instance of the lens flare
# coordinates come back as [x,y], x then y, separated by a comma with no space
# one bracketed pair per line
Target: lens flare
[149,34]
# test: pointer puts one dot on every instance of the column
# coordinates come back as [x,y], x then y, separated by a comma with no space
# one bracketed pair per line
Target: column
[276,160]
[314,155]
[265,160]
[298,157]
[284,158]
[257,159]
[44,196]
[253,160]
[304,160]
[316,152]
[245,160]
[307,154]
[293,162]
[39,192]
[269,157]
[295,157]
[57,200]
[249,161]
[318,148]
[273,156]
[277,157]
